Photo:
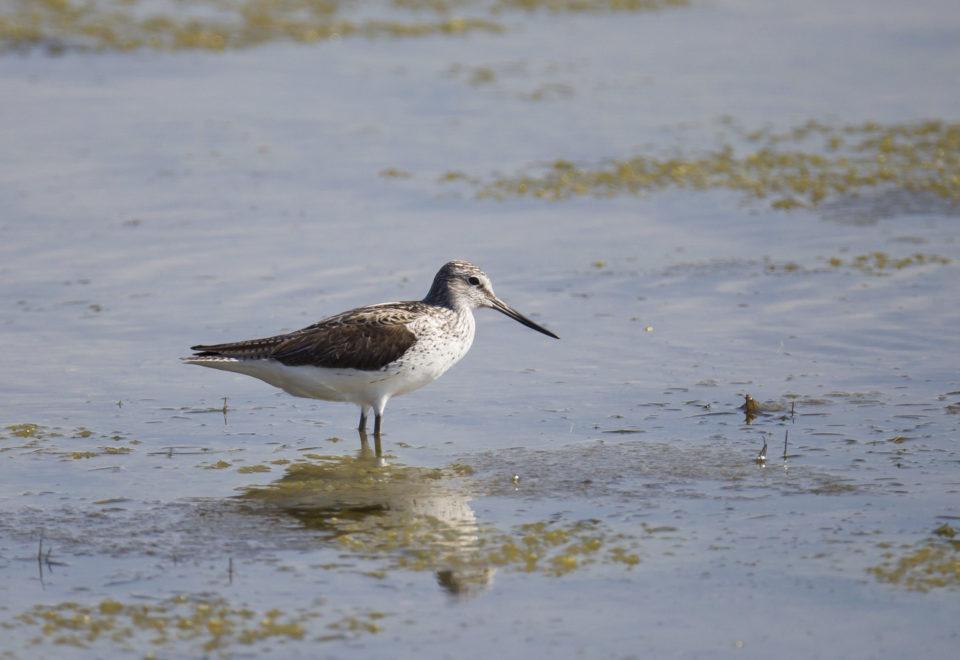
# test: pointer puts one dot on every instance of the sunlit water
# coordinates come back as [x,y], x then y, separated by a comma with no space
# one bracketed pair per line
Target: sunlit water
[594,497]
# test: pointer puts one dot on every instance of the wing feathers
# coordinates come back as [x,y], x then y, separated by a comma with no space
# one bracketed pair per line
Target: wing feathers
[352,347]
[368,339]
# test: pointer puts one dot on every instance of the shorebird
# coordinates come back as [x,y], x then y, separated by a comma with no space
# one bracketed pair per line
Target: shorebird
[368,355]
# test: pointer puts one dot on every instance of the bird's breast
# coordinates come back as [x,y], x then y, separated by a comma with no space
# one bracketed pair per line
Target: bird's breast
[441,343]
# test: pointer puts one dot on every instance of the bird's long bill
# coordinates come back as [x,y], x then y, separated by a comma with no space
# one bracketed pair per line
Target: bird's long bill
[501,306]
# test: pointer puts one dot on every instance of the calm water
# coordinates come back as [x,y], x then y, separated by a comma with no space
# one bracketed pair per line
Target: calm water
[593,497]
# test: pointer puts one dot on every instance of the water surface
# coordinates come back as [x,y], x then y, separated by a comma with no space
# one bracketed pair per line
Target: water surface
[594,497]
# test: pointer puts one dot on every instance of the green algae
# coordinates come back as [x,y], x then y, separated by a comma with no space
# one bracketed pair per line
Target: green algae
[512,79]
[453,176]
[127,25]
[932,564]
[219,465]
[395,173]
[880,263]
[481,75]
[553,6]
[556,548]
[219,25]
[805,167]
[945,530]
[27,430]
[589,6]
[32,439]
[116,450]
[252,469]
[876,263]
[461,469]
[186,623]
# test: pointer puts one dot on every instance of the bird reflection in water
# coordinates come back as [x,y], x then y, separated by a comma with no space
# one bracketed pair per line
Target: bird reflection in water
[412,518]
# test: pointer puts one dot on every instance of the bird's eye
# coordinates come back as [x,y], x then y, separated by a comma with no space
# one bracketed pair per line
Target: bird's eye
[474,281]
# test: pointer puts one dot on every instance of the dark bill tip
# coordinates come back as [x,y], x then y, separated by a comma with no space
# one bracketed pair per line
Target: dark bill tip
[504,308]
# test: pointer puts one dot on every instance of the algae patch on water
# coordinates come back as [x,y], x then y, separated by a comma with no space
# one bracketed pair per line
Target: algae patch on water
[124,25]
[553,6]
[932,564]
[513,79]
[591,6]
[881,263]
[184,624]
[800,168]
[252,469]
[877,263]
[216,25]
[31,439]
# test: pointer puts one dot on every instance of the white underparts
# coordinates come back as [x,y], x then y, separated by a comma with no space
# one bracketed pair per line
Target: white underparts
[441,343]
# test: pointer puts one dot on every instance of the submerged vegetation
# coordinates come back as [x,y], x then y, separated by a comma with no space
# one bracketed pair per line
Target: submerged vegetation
[872,263]
[29,438]
[880,263]
[191,624]
[124,25]
[933,564]
[801,168]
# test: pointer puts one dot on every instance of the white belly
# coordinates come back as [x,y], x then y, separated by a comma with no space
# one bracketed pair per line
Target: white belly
[351,385]
[426,361]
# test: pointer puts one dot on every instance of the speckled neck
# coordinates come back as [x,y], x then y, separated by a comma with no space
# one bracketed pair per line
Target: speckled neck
[441,295]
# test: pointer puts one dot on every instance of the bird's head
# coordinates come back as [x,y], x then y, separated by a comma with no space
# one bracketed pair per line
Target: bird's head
[461,284]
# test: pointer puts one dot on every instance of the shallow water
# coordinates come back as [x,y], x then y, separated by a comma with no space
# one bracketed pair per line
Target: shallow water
[593,497]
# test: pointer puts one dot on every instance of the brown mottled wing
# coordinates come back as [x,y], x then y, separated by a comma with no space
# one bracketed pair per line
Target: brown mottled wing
[346,346]
[368,338]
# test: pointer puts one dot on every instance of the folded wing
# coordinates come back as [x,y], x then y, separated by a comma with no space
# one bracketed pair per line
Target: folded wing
[338,343]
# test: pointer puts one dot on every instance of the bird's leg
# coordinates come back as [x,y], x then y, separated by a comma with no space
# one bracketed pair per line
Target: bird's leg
[377,448]
[378,409]
[364,445]
[363,420]
[378,423]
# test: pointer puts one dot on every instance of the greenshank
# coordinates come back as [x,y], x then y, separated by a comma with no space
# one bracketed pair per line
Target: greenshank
[368,355]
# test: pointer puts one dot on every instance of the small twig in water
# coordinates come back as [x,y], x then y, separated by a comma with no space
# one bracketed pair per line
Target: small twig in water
[40,562]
